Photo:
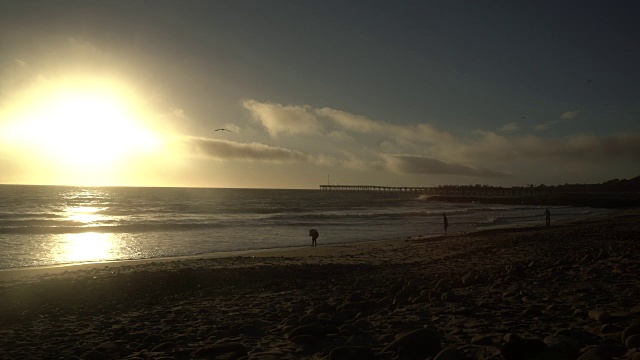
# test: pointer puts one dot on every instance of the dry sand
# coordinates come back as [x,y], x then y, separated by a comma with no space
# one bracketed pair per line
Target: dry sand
[565,292]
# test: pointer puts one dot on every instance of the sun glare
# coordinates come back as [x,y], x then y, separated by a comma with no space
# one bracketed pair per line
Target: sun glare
[85,247]
[81,126]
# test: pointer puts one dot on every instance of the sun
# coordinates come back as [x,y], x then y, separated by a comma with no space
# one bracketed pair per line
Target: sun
[92,127]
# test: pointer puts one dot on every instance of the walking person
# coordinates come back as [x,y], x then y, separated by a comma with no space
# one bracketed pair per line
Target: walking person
[446,223]
[314,235]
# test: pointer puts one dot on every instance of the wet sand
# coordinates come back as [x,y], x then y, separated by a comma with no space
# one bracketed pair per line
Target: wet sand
[568,291]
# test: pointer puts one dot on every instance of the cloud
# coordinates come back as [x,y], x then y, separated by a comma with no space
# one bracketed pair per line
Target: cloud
[279,119]
[510,127]
[340,135]
[416,164]
[545,126]
[367,144]
[586,148]
[569,115]
[363,125]
[306,120]
[231,150]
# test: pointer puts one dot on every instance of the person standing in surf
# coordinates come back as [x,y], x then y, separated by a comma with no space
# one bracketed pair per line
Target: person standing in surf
[547,217]
[446,223]
[314,235]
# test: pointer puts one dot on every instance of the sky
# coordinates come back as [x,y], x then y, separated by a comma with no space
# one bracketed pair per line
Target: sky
[406,93]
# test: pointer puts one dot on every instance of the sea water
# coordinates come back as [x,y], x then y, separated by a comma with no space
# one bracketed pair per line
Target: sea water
[50,225]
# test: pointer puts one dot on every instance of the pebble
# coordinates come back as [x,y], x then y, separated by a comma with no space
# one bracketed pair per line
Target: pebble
[631,330]
[450,353]
[599,315]
[416,344]
[633,341]
[351,353]
[522,349]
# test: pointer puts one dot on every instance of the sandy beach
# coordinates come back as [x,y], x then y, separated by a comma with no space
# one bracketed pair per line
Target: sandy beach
[569,291]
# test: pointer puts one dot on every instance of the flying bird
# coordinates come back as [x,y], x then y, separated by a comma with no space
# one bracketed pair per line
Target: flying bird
[222,130]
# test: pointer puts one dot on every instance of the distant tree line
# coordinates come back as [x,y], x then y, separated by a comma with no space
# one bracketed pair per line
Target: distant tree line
[615,185]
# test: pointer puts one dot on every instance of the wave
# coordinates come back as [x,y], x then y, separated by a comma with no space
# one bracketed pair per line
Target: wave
[132,228]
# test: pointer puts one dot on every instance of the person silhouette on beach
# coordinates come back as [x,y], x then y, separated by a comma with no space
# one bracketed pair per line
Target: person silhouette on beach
[547,217]
[446,223]
[314,235]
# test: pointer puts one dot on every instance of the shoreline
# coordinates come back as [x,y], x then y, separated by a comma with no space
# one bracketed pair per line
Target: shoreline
[11,274]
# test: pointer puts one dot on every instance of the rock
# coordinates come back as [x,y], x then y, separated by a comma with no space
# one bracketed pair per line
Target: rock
[631,330]
[532,310]
[94,355]
[583,337]
[596,353]
[481,339]
[355,297]
[248,330]
[152,339]
[469,279]
[221,349]
[564,345]
[599,315]
[324,308]
[522,349]
[107,347]
[317,331]
[450,353]
[357,340]
[304,340]
[308,319]
[351,353]
[164,347]
[633,341]
[608,328]
[416,344]
[511,337]
[450,297]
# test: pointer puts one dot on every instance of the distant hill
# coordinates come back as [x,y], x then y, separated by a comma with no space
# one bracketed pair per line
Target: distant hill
[614,193]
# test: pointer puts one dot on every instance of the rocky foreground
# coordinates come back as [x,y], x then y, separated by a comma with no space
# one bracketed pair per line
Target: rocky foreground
[570,291]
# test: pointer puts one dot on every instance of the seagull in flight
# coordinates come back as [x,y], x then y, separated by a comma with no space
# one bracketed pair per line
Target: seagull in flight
[222,130]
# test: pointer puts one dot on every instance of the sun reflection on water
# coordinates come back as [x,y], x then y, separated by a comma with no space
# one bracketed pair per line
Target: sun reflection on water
[84,214]
[86,247]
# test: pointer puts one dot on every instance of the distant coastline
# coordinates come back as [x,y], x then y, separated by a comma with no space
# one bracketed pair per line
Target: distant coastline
[612,194]
[609,201]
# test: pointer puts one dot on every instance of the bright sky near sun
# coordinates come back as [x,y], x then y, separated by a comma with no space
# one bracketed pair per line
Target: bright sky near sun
[347,92]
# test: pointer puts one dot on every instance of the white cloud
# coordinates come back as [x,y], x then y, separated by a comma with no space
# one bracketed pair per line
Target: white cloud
[356,129]
[545,126]
[510,127]
[280,119]
[231,150]
[367,144]
[568,115]
[340,135]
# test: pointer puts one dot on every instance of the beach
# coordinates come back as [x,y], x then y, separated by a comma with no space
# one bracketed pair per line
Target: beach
[568,291]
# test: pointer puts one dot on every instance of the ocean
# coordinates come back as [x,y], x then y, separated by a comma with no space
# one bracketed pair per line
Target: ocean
[52,225]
